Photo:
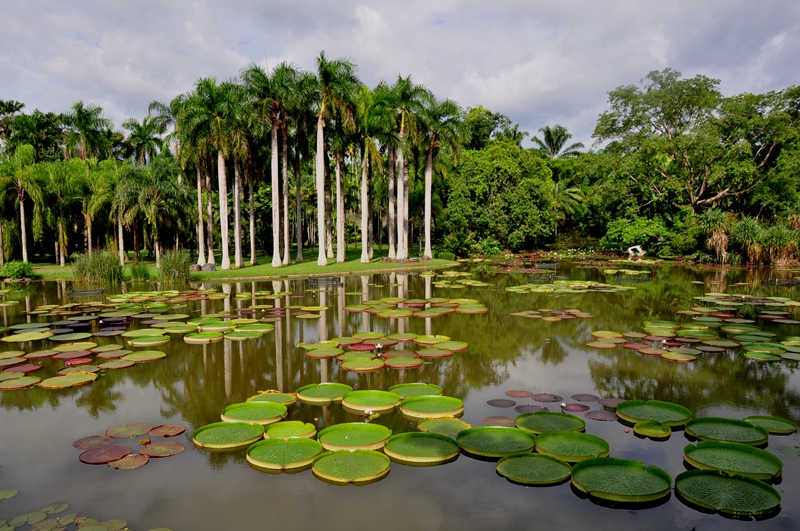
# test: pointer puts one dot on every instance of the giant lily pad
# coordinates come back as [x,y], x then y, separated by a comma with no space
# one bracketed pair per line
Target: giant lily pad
[362,365]
[93,441]
[287,399]
[290,428]
[162,449]
[773,424]
[419,448]
[533,469]
[571,446]
[129,462]
[104,455]
[149,341]
[144,332]
[622,480]
[434,352]
[24,337]
[496,441]
[323,394]
[443,425]
[199,338]
[666,413]
[283,454]
[723,429]
[652,429]
[550,421]
[407,390]
[354,435]
[729,494]
[371,401]
[254,412]
[71,380]
[129,431]
[357,467]
[733,458]
[144,356]
[404,362]
[423,407]
[22,382]
[167,430]
[227,435]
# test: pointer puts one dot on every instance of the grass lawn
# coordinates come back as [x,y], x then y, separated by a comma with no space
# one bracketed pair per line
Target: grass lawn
[352,265]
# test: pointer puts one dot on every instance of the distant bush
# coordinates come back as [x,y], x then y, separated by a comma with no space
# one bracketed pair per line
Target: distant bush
[139,271]
[97,269]
[17,269]
[175,268]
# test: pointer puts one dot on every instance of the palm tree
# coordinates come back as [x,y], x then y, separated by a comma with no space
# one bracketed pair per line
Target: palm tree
[210,115]
[144,140]
[102,184]
[20,180]
[554,140]
[337,81]
[442,123]
[86,132]
[567,201]
[65,186]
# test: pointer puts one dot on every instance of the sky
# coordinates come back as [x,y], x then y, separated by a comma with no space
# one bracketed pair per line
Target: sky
[538,62]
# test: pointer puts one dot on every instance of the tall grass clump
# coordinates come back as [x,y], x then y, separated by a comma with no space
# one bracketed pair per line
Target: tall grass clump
[97,269]
[139,271]
[175,268]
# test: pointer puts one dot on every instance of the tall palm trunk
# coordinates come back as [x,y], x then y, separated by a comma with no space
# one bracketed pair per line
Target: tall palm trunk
[2,251]
[328,213]
[428,184]
[320,170]
[402,224]
[201,247]
[340,243]
[253,259]
[237,212]
[60,244]
[22,227]
[285,160]
[89,233]
[209,221]
[364,206]
[120,242]
[298,219]
[404,234]
[276,206]
[391,229]
[223,211]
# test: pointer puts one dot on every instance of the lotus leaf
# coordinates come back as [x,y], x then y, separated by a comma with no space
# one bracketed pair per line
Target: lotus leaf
[227,435]
[254,412]
[773,424]
[724,429]
[428,406]
[666,413]
[420,448]
[354,435]
[495,441]
[549,421]
[729,494]
[623,480]
[323,394]
[533,469]
[290,428]
[358,467]
[733,458]
[71,380]
[371,401]
[571,446]
[283,454]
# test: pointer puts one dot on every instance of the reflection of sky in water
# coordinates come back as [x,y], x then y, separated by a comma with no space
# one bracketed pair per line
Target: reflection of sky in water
[198,490]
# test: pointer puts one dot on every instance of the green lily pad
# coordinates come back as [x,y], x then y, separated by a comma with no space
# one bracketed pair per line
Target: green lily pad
[761,356]
[144,332]
[55,508]
[200,338]
[533,469]
[773,424]
[723,429]
[129,430]
[407,390]
[287,399]
[71,380]
[571,447]
[149,341]
[733,458]
[113,365]
[144,356]
[652,429]
[242,335]
[322,394]
[37,336]
[322,353]
[371,401]
[420,448]
[290,428]
[8,494]
[622,480]
[10,375]
[728,494]
[434,352]
[227,435]
[363,365]
[443,425]
[549,421]
[402,336]
[357,467]
[354,435]
[431,406]
[496,441]
[431,340]
[283,454]
[666,413]
[22,382]
[452,345]
[403,362]
[254,412]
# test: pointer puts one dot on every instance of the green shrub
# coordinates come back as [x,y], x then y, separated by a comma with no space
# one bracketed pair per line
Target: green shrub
[139,271]
[487,246]
[444,255]
[97,269]
[175,268]
[17,269]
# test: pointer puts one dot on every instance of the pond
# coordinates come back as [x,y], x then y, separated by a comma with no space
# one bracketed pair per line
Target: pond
[201,489]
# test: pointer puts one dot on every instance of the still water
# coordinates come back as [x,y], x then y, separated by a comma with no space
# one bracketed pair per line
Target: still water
[201,490]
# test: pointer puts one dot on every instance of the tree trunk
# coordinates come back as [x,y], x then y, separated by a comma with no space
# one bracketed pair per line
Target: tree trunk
[136,248]
[223,211]
[320,170]
[402,226]
[298,219]
[391,223]
[120,242]
[22,232]
[2,250]
[328,236]
[61,247]
[340,241]
[364,207]
[253,259]
[237,212]
[428,184]
[370,212]
[157,247]
[276,205]
[404,234]
[209,221]
[89,233]
[287,244]
[201,246]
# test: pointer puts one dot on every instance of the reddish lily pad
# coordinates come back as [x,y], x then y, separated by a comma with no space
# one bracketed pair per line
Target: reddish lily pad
[24,369]
[130,462]
[93,441]
[71,355]
[433,352]
[635,346]
[501,402]
[162,449]
[576,408]
[104,455]
[585,398]
[547,397]
[530,408]
[611,402]
[499,421]
[167,430]
[601,415]
[79,361]
[519,393]
[129,431]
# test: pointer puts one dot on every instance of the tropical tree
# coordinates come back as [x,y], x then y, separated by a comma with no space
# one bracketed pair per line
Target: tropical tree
[553,146]
[144,139]
[567,201]
[21,179]
[100,187]
[86,132]
[64,187]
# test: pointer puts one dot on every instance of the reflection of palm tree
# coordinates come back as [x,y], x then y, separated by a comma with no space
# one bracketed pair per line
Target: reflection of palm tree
[553,142]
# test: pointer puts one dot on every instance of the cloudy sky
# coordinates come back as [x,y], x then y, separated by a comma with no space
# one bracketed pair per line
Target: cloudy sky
[539,62]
